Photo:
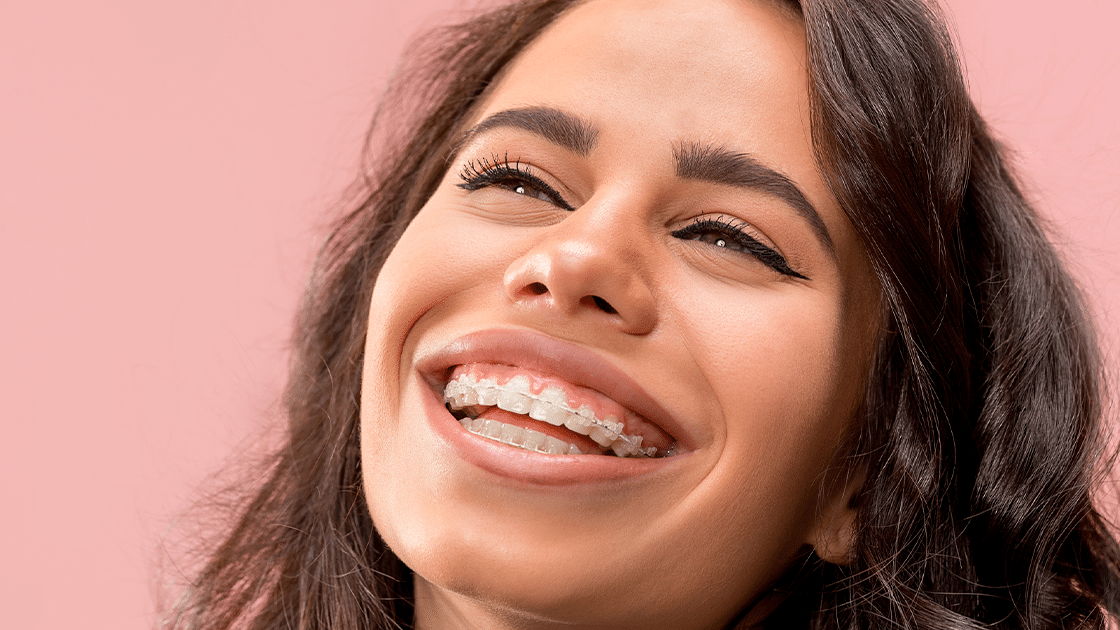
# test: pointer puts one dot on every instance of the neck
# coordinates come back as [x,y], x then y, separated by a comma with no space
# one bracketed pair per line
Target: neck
[440,609]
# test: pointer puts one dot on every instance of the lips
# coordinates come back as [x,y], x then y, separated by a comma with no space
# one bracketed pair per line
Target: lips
[567,366]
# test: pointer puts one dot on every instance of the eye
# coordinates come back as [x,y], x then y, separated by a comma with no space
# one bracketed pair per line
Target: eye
[514,176]
[728,233]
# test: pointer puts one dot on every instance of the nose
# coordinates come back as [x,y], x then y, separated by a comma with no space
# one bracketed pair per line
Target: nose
[589,269]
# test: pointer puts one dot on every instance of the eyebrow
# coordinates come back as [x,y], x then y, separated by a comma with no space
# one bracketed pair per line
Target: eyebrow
[720,165]
[693,160]
[556,126]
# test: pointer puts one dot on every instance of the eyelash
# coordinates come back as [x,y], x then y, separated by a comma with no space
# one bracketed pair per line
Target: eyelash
[510,175]
[503,173]
[729,233]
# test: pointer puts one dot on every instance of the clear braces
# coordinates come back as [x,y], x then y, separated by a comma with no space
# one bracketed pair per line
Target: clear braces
[550,406]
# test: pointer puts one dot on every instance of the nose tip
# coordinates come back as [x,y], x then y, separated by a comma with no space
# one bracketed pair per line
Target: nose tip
[581,280]
[534,289]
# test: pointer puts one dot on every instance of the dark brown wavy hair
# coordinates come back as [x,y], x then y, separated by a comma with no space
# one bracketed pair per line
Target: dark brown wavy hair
[981,437]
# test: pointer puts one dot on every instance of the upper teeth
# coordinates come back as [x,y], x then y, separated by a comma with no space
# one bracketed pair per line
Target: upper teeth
[550,405]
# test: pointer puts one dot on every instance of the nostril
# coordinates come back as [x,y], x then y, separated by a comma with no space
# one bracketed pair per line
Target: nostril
[536,288]
[603,305]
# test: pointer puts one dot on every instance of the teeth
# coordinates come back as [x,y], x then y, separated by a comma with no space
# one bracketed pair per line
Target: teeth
[511,435]
[554,395]
[631,446]
[519,384]
[626,448]
[554,446]
[578,423]
[491,429]
[612,425]
[526,439]
[602,436]
[514,402]
[487,396]
[533,440]
[539,410]
[556,416]
[550,405]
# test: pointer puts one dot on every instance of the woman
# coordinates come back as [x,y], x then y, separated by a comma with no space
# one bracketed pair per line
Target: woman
[683,315]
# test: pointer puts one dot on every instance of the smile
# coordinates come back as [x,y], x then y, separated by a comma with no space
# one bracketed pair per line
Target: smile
[515,402]
[478,395]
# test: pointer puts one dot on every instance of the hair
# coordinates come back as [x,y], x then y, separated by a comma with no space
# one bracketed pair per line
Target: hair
[980,437]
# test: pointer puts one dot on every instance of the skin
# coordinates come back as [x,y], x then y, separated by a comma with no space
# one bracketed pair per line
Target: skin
[763,371]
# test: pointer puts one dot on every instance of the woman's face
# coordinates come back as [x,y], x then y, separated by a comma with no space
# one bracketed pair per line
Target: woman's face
[634,223]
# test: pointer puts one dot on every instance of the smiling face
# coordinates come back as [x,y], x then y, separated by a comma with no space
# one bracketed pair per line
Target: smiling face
[634,224]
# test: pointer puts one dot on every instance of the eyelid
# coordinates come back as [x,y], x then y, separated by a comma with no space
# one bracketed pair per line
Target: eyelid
[755,245]
[477,174]
[735,224]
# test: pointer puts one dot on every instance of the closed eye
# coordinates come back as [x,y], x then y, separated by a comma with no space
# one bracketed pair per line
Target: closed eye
[729,234]
[513,176]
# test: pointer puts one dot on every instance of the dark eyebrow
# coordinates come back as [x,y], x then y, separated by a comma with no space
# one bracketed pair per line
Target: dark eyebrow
[723,166]
[558,127]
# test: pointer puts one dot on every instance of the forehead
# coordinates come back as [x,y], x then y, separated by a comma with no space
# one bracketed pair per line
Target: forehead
[723,70]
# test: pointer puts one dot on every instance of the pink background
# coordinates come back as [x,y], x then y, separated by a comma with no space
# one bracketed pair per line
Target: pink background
[164,171]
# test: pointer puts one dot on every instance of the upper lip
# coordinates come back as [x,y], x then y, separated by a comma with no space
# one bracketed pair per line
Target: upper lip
[570,362]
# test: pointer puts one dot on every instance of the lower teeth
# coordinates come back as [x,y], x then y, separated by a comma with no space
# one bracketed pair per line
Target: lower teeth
[526,439]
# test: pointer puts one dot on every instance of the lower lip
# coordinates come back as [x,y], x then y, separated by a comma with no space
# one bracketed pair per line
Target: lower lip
[530,467]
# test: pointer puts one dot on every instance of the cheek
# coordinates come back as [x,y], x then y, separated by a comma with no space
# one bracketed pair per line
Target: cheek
[410,282]
[414,283]
[417,272]
[433,261]
[773,363]
[444,261]
[775,348]
[444,252]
